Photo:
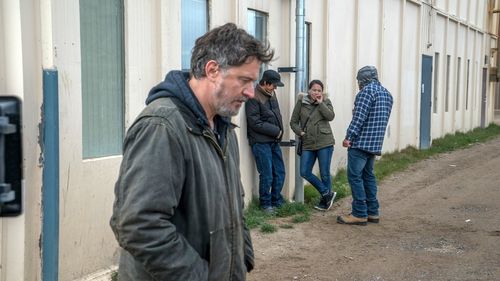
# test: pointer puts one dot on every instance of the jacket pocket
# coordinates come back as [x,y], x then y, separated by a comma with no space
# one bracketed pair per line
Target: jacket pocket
[325,130]
[220,255]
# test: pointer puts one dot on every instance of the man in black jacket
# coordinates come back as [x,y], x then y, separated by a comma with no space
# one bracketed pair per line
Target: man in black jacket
[178,211]
[264,131]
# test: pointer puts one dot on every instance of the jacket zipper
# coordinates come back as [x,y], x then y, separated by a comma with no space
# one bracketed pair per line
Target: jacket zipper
[222,153]
[214,142]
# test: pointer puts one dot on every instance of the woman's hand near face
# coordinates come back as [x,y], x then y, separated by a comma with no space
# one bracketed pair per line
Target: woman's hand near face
[319,98]
[316,93]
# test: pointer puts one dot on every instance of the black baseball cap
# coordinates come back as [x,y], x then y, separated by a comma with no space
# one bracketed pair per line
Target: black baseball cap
[273,77]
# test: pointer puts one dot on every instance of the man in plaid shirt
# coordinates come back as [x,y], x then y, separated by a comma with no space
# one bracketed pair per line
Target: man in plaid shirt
[364,139]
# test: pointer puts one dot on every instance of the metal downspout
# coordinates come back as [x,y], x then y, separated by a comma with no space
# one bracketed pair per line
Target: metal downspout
[299,85]
[50,148]
[50,187]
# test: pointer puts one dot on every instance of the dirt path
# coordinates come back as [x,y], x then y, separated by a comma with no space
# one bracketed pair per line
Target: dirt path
[440,220]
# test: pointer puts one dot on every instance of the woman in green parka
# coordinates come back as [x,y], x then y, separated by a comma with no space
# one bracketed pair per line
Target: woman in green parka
[311,122]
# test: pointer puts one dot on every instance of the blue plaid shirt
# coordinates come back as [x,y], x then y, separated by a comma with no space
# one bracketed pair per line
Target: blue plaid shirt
[372,109]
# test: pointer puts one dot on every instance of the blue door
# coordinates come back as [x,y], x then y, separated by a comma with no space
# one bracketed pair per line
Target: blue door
[426,102]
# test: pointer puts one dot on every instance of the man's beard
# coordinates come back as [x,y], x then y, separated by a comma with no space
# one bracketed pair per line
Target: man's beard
[227,110]
[224,106]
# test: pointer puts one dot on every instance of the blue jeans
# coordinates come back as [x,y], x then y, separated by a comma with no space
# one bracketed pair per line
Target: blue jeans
[269,162]
[307,159]
[363,183]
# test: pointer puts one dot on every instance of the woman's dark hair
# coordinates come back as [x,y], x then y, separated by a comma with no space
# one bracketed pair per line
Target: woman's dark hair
[317,82]
[229,46]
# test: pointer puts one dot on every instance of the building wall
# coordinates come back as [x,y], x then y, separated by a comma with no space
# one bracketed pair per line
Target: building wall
[32,103]
[19,57]
[86,185]
[345,35]
[11,247]
[385,34]
[393,35]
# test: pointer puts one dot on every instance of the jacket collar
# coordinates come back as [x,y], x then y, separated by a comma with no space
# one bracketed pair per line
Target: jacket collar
[261,95]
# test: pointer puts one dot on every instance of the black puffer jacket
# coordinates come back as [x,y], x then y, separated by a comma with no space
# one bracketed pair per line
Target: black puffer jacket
[178,212]
[264,121]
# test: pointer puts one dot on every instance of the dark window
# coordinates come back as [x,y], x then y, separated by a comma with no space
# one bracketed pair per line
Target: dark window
[194,23]
[436,82]
[103,72]
[447,93]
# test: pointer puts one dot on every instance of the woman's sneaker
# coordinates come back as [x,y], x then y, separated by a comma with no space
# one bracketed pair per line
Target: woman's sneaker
[326,202]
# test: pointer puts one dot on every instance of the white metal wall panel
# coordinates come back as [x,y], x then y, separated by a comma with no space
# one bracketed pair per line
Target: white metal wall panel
[463,9]
[453,7]
[33,52]
[225,10]
[482,13]
[448,100]
[469,80]
[369,20]
[142,53]
[439,86]
[460,83]
[479,64]
[473,12]
[169,48]
[11,69]
[341,70]
[440,4]
[316,15]
[12,230]
[390,68]
[476,90]
[427,29]
[491,42]
[410,76]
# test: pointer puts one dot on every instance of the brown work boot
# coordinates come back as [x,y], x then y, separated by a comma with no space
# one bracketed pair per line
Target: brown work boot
[373,219]
[350,219]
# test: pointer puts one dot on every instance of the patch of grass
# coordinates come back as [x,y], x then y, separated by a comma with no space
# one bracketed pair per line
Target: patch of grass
[268,228]
[254,216]
[311,195]
[114,276]
[301,218]
[388,164]
[289,209]
[340,184]
[398,161]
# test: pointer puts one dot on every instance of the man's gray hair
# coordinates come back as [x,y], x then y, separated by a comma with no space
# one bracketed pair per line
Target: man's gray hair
[229,46]
[366,75]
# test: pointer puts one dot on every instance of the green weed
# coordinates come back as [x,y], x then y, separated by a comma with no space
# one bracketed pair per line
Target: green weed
[301,218]
[268,228]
